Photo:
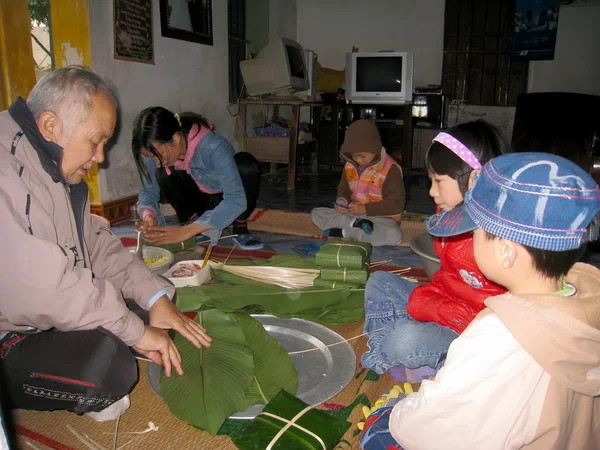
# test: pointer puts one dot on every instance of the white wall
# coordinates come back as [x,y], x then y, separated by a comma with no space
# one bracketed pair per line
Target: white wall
[257,19]
[283,19]
[186,76]
[576,64]
[332,27]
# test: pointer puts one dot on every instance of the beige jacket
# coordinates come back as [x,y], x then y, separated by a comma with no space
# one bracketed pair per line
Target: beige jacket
[47,280]
[524,375]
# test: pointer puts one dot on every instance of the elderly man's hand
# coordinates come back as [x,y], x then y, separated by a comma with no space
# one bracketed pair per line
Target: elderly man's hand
[163,314]
[158,346]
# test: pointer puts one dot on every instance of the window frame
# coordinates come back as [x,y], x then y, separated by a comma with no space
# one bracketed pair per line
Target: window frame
[477,68]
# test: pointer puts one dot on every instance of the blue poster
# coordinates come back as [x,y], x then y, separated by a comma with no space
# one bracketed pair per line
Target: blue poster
[536,24]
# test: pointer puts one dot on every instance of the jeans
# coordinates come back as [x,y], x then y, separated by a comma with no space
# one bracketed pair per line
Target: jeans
[395,338]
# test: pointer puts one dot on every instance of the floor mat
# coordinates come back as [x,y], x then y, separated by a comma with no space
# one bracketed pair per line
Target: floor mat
[48,430]
[301,224]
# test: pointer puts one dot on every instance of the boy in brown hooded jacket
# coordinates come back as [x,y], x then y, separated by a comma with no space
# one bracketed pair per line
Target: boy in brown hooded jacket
[370,199]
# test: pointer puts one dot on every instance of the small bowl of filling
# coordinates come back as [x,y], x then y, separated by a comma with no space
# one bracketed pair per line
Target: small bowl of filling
[188,273]
[157,259]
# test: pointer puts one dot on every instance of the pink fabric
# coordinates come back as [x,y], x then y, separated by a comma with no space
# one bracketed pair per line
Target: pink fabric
[459,149]
[191,148]
[147,212]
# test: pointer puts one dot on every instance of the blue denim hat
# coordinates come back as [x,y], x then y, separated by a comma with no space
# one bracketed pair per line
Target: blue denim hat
[538,200]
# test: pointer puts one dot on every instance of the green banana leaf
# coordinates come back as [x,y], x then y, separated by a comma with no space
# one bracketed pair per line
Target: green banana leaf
[273,368]
[337,252]
[259,433]
[215,378]
[359,276]
[320,282]
[328,306]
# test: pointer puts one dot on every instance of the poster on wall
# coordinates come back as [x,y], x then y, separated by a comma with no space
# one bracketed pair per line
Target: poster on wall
[133,31]
[536,24]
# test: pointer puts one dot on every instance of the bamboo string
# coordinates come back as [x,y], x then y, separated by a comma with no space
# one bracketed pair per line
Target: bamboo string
[342,244]
[335,343]
[230,253]
[151,427]
[34,447]
[114,446]
[83,440]
[292,423]
[221,238]
[94,442]
[380,263]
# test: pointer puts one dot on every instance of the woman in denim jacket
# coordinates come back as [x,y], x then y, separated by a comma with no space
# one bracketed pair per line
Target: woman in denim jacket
[199,174]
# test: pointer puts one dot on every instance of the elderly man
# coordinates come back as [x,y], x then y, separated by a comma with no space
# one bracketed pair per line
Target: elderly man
[65,330]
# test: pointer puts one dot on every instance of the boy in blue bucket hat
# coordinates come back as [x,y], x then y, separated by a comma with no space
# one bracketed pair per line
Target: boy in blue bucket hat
[526,373]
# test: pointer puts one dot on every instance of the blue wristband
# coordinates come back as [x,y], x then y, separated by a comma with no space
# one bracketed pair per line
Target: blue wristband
[159,294]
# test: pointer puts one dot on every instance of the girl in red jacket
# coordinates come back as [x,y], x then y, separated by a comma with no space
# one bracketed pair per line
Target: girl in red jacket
[412,326]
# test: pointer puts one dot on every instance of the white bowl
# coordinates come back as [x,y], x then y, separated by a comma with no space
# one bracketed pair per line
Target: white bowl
[157,252]
[197,279]
[422,245]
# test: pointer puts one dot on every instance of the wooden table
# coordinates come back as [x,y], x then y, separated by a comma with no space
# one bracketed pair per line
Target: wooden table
[279,149]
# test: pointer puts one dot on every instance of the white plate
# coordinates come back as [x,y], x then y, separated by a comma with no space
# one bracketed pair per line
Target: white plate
[322,373]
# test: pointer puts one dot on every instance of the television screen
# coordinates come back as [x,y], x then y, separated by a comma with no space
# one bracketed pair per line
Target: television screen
[295,59]
[379,74]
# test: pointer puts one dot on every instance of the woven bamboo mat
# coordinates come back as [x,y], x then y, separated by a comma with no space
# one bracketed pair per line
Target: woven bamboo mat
[300,224]
[48,430]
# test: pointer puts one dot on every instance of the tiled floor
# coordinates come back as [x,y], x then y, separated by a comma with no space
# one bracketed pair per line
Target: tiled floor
[320,190]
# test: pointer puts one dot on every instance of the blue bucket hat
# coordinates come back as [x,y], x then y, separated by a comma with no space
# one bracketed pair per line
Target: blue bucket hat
[538,200]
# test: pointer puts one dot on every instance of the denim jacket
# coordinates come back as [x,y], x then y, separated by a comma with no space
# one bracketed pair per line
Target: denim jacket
[213,167]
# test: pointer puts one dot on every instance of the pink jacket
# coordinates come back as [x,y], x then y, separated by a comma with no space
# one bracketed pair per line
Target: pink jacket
[47,280]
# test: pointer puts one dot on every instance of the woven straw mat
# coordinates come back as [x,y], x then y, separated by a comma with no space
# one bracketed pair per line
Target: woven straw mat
[301,224]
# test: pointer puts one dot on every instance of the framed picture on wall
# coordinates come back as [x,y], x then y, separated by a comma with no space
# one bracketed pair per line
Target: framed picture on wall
[133,33]
[187,20]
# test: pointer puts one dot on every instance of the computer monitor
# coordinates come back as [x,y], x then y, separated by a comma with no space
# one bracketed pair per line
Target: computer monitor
[279,69]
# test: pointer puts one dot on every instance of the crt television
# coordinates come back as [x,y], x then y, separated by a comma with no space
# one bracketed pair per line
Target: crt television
[278,69]
[379,77]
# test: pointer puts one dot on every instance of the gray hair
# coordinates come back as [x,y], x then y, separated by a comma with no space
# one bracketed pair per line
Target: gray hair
[68,93]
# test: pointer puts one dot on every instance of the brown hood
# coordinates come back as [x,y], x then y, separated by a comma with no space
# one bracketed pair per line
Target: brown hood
[379,156]
[362,137]
[561,333]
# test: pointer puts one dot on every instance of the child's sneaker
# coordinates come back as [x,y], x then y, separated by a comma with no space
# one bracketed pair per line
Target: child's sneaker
[365,224]
[111,412]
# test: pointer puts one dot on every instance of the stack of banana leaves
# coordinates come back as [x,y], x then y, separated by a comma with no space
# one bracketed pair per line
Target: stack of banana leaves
[257,295]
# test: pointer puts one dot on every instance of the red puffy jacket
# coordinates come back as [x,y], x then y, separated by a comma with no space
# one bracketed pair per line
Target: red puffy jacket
[457,291]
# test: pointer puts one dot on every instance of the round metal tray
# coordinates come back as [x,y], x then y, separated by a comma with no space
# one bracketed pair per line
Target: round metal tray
[322,373]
